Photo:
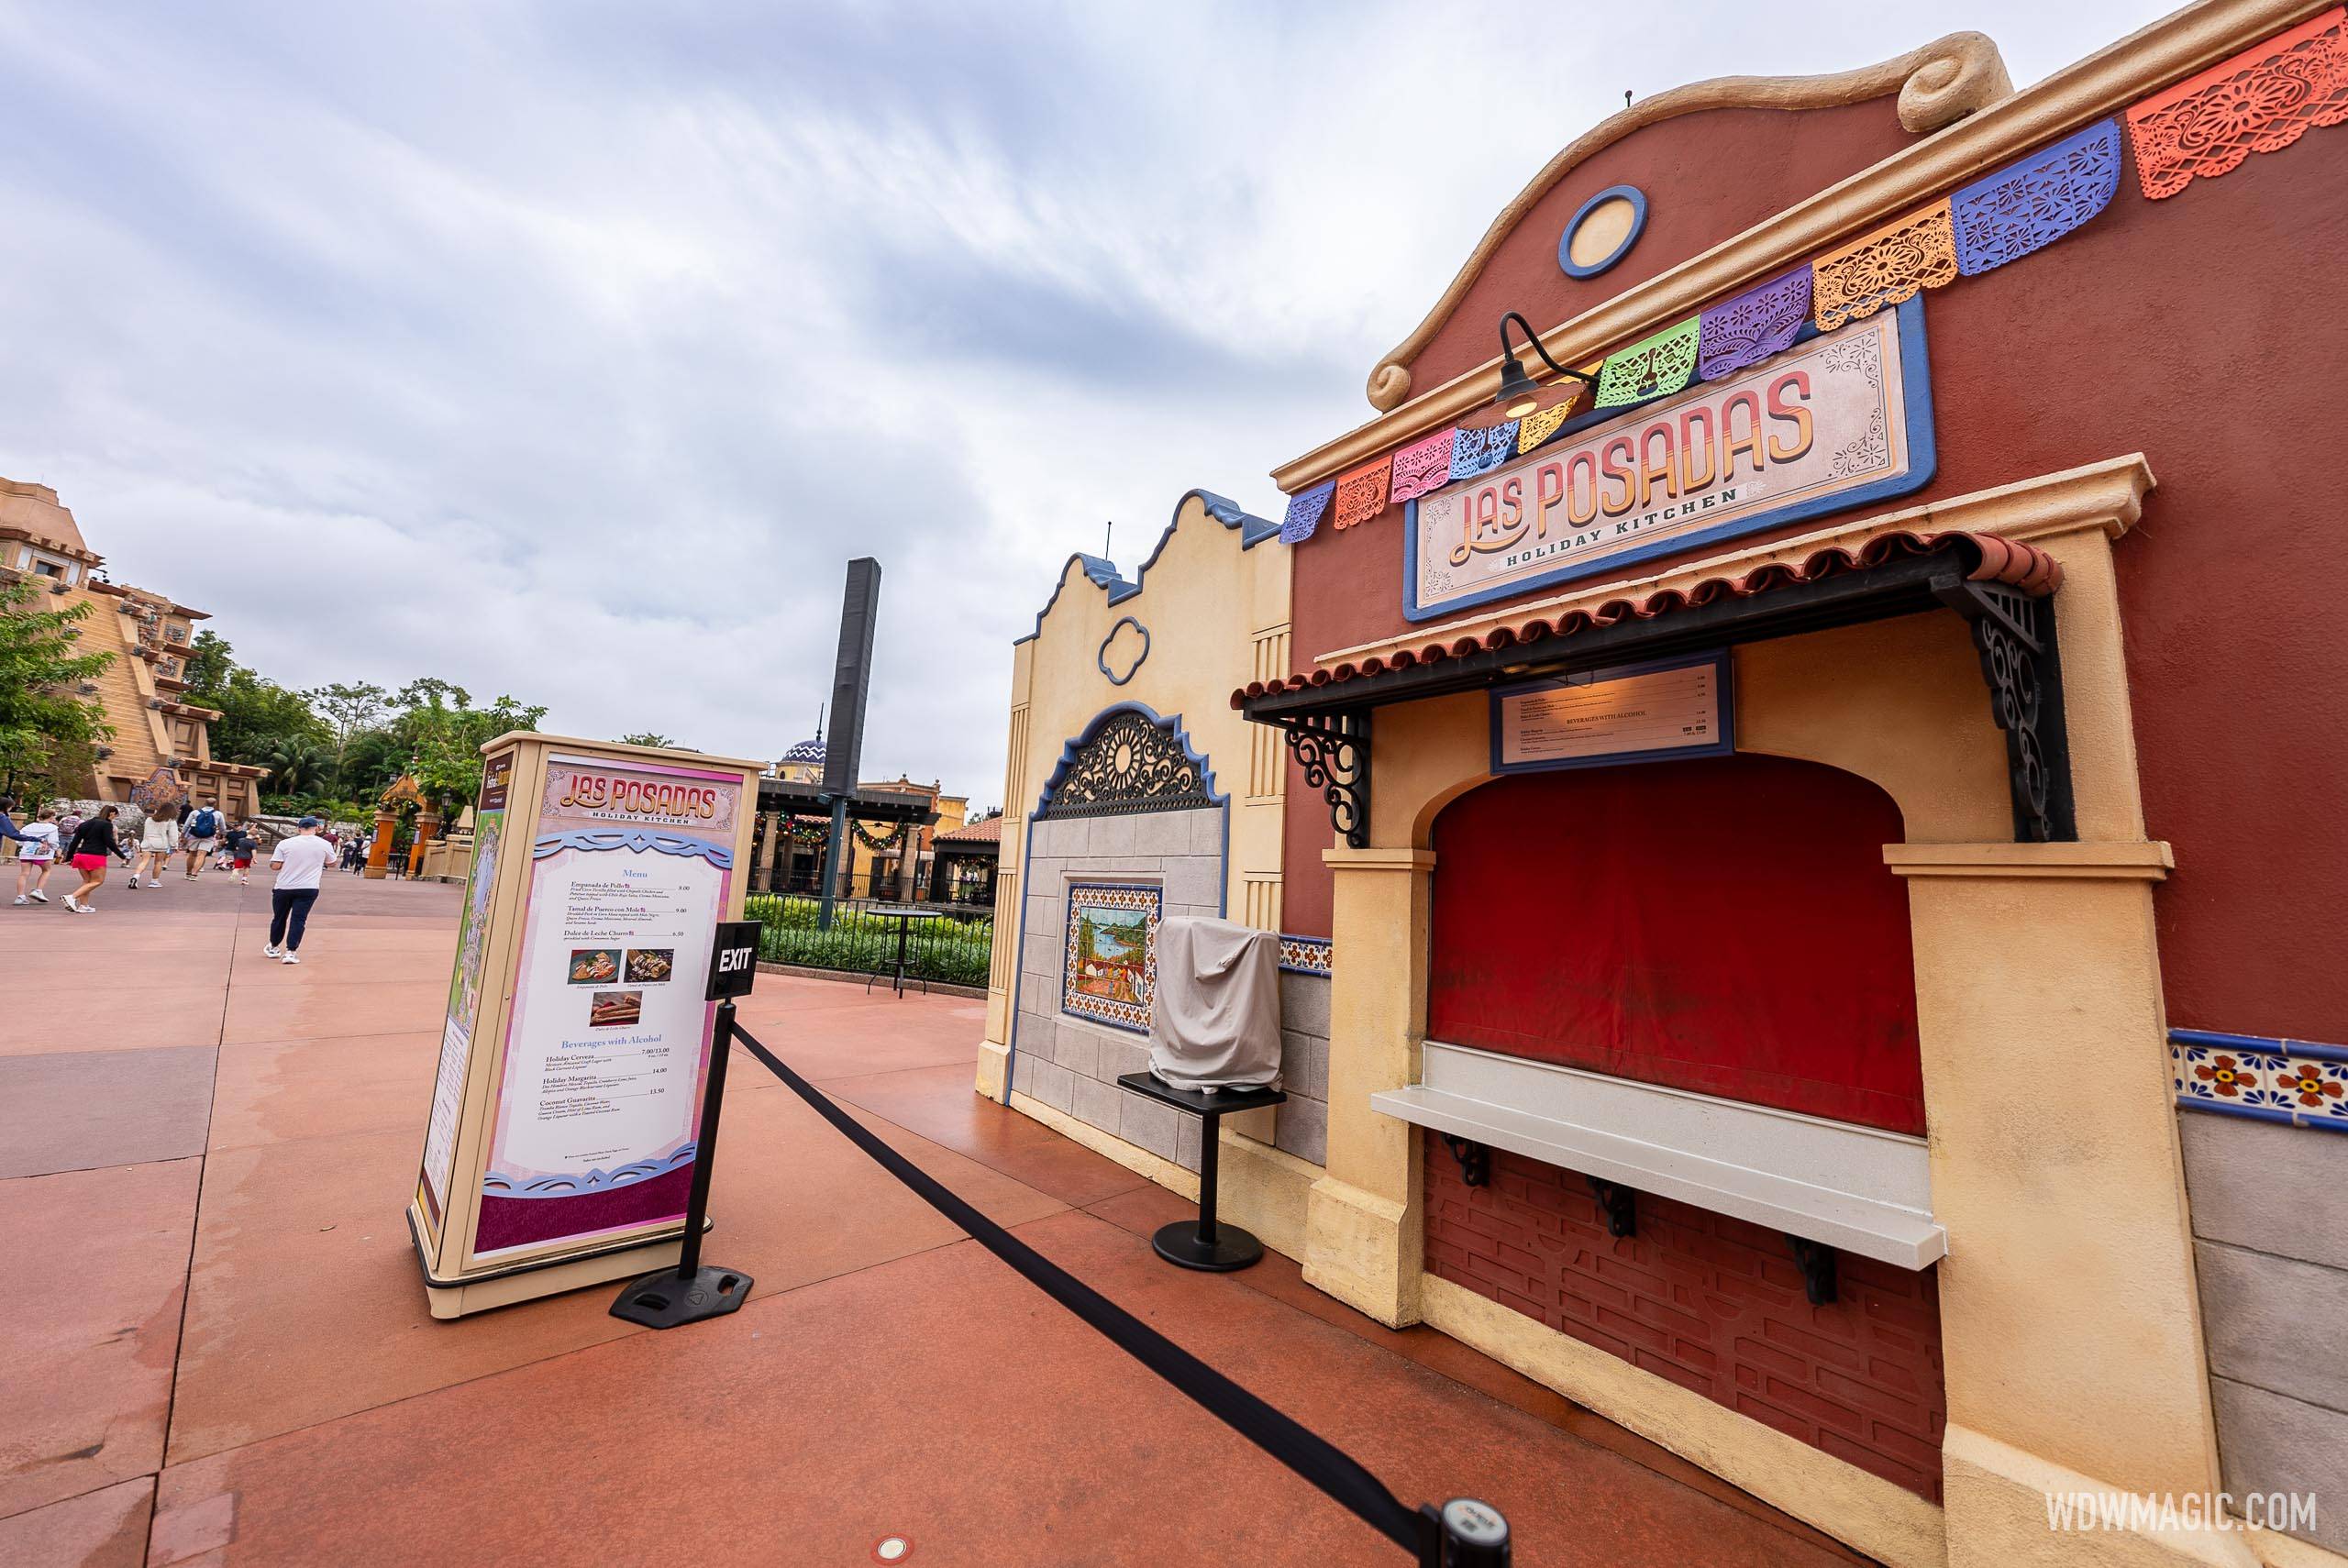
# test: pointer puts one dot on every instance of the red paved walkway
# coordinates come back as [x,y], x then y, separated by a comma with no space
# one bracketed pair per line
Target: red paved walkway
[218,1351]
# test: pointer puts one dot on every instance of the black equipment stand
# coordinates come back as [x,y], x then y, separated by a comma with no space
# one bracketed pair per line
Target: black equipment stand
[691,1292]
[1216,1249]
[905,915]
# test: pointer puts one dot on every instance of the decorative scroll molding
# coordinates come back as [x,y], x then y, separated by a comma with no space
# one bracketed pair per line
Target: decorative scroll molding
[2037,200]
[2014,633]
[1131,761]
[2261,100]
[2103,84]
[1938,84]
[1333,750]
[1884,268]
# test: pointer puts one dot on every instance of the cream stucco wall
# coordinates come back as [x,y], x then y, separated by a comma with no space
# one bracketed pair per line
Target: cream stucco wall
[1216,609]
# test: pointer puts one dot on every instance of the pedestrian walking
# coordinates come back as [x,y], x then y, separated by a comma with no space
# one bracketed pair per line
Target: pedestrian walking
[240,852]
[199,835]
[156,839]
[299,861]
[88,849]
[34,854]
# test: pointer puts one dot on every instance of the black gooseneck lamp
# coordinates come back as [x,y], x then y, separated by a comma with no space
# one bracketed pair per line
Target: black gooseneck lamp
[1520,394]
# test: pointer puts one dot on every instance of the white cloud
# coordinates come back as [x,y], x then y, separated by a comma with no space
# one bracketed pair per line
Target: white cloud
[569,350]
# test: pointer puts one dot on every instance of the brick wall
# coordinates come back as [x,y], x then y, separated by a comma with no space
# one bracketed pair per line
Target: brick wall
[1710,1302]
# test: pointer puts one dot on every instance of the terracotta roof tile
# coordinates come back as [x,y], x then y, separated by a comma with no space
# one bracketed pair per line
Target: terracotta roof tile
[2008,561]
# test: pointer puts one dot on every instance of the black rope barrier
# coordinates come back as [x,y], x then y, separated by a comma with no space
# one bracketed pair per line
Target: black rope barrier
[1454,1535]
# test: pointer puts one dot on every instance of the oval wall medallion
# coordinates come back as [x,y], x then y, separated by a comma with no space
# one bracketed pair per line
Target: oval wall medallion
[1122,650]
[1602,231]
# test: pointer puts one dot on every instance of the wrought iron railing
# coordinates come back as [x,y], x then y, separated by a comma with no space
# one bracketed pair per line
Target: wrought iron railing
[952,949]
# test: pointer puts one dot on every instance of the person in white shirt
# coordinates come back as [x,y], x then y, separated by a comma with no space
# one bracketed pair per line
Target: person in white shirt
[35,856]
[157,842]
[298,860]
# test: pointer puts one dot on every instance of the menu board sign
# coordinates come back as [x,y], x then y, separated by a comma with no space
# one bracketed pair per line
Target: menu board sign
[1640,713]
[608,1035]
[465,981]
[1840,419]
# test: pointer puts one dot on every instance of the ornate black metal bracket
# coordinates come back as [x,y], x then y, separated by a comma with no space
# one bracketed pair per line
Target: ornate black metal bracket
[1620,1204]
[2014,634]
[1818,1268]
[1474,1159]
[1334,749]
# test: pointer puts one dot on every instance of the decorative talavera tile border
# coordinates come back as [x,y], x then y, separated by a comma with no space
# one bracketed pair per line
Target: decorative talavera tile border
[1304,955]
[2295,1082]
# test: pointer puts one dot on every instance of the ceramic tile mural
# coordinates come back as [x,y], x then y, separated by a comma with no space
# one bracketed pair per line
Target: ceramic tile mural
[1109,965]
[1304,955]
[2292,1081]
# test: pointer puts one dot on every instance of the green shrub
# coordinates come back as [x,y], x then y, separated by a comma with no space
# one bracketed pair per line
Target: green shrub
[950,951]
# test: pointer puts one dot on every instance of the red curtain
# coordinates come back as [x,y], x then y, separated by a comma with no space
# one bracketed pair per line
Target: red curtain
[1724,925]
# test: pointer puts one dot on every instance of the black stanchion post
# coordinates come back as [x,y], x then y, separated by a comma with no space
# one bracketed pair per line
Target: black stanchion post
[1463,1533]
[689,1293]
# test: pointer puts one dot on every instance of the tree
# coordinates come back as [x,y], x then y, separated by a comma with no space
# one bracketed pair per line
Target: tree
[444,733]
[256,715]
[207,665]
[298,766]
[44,723]
[350,708]
[259,716]
[646,738]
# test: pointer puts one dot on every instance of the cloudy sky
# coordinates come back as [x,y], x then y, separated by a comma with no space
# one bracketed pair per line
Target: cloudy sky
[570,348]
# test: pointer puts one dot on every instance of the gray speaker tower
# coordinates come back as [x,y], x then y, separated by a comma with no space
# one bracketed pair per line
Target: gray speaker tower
[851,684]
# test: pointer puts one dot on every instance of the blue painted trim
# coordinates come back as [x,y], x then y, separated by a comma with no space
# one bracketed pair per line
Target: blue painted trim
[495,1183]
[1076,888]
[596,841]
[1101,658]
[1172,722]
[2265,1044]
[2264,1114]
[1631,193]
[1253,531]
[1923,458]
[1718,658]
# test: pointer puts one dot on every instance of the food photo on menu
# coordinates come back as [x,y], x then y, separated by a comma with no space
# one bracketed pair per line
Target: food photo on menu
[612,1010]
[648,966]
[594,965]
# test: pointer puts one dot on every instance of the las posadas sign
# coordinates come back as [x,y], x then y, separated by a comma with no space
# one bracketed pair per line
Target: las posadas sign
[1835,421]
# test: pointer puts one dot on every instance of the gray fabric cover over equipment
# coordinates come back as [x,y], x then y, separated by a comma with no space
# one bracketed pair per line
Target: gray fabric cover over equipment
[1216,1021]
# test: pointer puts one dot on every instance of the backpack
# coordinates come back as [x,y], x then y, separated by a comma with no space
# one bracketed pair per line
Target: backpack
[207,823]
